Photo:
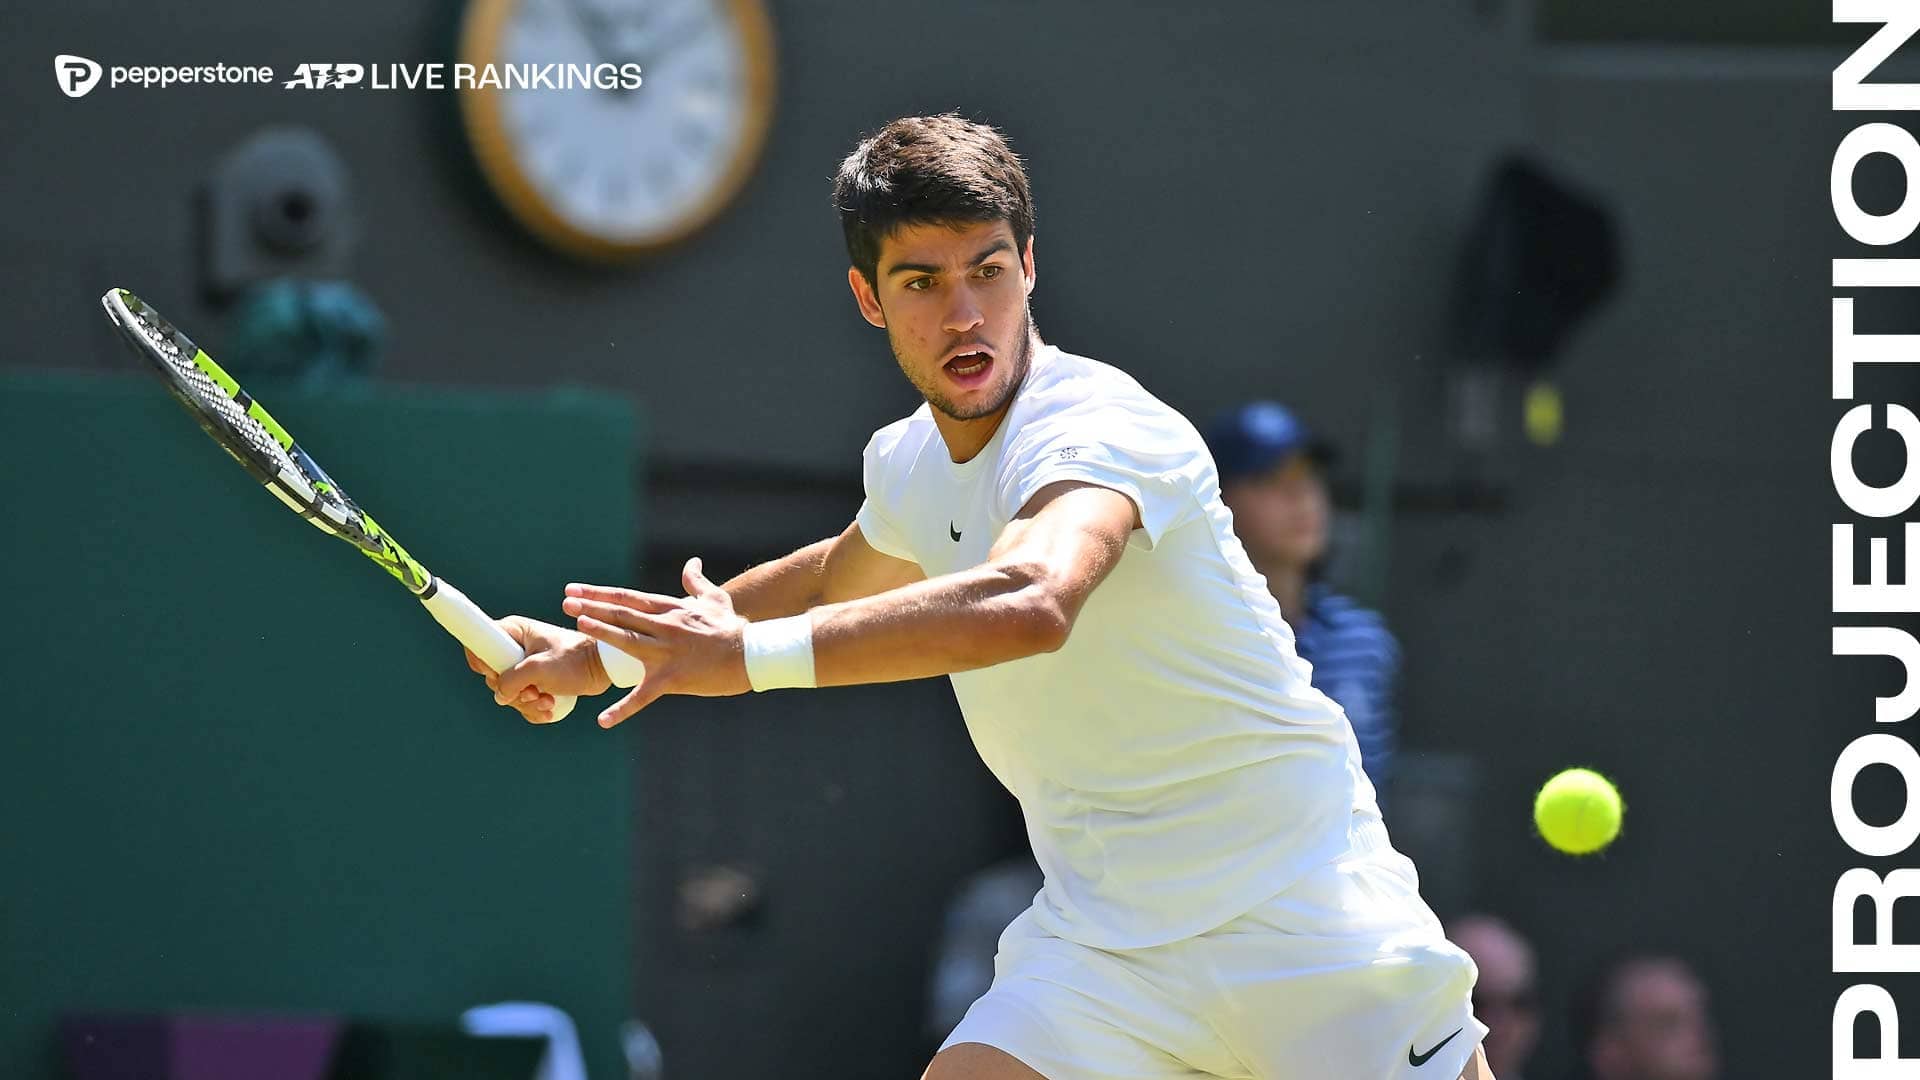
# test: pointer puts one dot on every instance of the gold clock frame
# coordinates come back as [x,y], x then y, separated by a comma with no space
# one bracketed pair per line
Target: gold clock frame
[481,114]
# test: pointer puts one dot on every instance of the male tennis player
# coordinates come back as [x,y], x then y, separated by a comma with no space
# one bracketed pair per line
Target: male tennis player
[1220,896]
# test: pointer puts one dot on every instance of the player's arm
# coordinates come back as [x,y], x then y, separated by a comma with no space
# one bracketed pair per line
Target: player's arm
[1021,601]
[843,567]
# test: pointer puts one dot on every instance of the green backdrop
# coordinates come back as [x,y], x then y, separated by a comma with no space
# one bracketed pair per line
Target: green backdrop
[241,769]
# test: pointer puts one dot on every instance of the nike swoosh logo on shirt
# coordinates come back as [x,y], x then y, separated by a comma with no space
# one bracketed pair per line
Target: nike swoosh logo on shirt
[953,532]
[1417,1060]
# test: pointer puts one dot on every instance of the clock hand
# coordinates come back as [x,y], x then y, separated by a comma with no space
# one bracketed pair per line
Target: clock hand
[603,33]
[590,25]
[670,40]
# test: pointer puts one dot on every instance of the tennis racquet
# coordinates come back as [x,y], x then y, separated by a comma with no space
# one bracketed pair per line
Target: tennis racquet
[247,432]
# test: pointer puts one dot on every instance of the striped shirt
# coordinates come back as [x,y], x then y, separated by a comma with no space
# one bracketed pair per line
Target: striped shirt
[1356,662]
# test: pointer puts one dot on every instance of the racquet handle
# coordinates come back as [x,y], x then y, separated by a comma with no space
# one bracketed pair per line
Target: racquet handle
[473,628]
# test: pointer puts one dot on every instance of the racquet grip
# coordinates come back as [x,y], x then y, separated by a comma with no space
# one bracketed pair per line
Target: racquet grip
[472,627]
[625,671]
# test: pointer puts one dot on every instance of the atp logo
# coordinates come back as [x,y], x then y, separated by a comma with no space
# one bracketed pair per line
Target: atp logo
[77,74]
[325,76]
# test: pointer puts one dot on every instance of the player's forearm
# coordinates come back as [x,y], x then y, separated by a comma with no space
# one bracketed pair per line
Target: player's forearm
[988,615]
[782,587]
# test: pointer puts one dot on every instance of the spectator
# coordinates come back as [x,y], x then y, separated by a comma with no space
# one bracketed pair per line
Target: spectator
[1643,1016]
[1272,476]
[1504,997]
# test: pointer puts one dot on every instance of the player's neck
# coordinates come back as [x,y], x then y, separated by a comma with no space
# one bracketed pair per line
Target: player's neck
[966,438]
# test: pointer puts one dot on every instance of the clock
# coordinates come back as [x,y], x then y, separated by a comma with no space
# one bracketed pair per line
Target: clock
[592,164]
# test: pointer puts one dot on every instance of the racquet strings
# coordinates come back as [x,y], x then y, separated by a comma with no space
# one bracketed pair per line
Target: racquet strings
[226,413]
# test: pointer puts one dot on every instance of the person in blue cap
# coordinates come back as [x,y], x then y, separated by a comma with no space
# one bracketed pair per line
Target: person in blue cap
[1273,478]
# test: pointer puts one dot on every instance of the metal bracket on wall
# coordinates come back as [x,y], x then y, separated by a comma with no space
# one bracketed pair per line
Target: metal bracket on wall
[278,205]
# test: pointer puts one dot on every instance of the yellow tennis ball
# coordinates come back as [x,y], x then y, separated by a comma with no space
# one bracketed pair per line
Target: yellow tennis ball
[1543,414]
[1578,812]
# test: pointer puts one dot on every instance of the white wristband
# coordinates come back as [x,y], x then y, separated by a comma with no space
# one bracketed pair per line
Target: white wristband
[779,652]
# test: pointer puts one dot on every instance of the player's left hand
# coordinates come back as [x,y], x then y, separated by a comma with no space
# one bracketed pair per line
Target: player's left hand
[691,644]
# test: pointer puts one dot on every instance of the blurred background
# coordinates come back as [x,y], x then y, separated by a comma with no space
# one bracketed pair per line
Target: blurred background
[1549,274]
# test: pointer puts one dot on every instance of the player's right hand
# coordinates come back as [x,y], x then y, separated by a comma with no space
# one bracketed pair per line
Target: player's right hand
[558,661]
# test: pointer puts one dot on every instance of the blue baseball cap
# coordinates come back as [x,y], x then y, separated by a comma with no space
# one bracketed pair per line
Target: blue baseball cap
[1260,435]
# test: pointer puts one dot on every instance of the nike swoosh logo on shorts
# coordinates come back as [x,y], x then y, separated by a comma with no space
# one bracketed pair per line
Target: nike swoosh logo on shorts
[1417,1060]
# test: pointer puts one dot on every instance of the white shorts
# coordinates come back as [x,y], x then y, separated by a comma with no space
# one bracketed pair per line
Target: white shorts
[1344,975]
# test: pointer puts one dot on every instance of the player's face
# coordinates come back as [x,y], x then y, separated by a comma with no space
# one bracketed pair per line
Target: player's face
[1282,515]
[953,300]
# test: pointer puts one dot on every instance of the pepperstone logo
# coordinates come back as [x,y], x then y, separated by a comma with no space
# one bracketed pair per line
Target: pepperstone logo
[77,74]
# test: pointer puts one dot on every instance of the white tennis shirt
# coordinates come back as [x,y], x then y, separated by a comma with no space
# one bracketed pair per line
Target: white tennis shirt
[1173,763]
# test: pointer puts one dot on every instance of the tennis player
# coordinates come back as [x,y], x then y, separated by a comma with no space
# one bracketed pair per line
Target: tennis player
[1220,897]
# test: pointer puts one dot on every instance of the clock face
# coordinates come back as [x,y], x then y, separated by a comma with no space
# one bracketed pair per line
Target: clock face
[611,169]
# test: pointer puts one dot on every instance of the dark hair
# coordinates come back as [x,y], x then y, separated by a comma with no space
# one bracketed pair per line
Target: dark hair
[924,169]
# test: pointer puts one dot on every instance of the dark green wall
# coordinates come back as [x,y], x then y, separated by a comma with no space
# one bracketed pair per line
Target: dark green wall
[243,770]
[1698,22]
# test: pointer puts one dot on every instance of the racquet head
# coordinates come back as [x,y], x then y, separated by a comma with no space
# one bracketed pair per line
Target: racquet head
[253,438]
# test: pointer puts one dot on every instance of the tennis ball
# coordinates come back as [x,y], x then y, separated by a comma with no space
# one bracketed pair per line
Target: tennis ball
[1578,812]
[1543,415]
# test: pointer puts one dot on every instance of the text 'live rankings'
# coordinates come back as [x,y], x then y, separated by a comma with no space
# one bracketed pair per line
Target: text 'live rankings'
[440,76]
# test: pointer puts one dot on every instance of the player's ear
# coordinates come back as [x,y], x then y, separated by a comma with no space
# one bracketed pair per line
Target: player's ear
[864,296]
[1026,265]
